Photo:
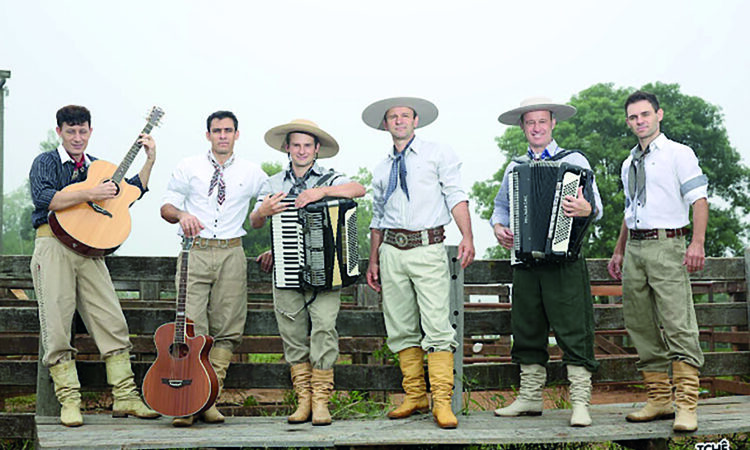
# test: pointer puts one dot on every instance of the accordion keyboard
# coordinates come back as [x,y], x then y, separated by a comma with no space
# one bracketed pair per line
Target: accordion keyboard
[563,224]
[286,234]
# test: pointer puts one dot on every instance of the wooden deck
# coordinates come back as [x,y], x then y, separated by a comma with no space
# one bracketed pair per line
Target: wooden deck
[718,416]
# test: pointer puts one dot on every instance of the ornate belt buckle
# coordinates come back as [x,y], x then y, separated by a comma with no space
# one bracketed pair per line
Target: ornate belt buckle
[401,239]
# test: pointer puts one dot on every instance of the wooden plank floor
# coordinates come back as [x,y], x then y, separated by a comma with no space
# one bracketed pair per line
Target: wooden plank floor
[720,416]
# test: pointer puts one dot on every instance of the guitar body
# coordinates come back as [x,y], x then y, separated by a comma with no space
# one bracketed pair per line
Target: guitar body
[88,231]
[181,382]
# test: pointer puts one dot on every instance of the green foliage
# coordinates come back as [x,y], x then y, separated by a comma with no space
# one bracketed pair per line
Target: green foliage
[599,131]
[258,240]
[18,234]
[355,405]
[364,212]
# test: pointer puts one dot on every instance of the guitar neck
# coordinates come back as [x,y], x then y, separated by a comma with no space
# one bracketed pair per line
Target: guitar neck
[122,169]
[180,315]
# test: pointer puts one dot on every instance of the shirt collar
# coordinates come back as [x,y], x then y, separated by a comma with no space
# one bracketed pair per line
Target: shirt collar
[65,157]
[226,164]
[314,170]
[414,146]
[549,151]
[656,144]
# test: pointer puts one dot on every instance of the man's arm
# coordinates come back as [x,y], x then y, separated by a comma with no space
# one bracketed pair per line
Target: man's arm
[373,268]
[346,190]
[62,200]
[149,146]
[462,217]
[695,256]
[270,205]
[190,224]
[614,267]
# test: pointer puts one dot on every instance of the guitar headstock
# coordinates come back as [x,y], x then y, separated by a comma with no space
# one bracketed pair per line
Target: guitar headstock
[154,117]
[187,243]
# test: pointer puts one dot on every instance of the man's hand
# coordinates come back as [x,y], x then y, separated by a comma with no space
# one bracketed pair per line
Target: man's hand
[265,260]
[614,266]
[190,224]
[149,146]
[466,252]
[373,276]
[695,257]
[503,235]
[308,196]
[576,206]
[272,204]
[103,191]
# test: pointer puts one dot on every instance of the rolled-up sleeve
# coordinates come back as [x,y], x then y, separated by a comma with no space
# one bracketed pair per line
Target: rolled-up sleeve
[265,189]
[693,183]
[378,205]
[449,176]
[178,188]
[501,211]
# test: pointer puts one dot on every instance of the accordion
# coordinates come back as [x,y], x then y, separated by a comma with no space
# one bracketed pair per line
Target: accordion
[541,231]
[315,247]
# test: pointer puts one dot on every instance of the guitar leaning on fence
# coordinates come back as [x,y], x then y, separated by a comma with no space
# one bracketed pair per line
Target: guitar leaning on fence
[181,382]
[99,228]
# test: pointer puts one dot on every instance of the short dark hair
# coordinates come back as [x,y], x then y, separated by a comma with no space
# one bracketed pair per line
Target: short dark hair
[222,115]
[638,96]
[286,139]
[73,115]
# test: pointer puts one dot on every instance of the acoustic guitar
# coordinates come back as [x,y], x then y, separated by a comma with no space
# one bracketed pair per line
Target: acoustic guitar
[181,381]
[99,228]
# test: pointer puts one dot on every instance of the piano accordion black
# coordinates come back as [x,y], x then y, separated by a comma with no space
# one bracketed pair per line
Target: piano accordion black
[541,231]
[316,247]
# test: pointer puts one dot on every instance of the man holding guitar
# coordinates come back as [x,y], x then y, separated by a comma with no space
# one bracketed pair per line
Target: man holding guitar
[209,195]
[65,280]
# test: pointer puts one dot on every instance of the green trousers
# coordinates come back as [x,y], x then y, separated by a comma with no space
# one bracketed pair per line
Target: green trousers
[557,296]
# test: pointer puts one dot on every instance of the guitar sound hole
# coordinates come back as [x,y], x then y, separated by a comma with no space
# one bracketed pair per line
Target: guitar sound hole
[179,351]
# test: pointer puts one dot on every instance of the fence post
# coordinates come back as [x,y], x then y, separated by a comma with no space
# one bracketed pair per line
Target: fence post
[46,402]
[457,322]
[747,284]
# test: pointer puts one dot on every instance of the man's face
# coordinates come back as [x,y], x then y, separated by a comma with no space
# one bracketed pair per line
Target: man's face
[222,136]
[643,120]
[538,126]
[75,138]
[400,122]
[302,149]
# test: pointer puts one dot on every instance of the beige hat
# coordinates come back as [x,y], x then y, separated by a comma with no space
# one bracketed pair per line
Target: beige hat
[276,136]
[561,111]
[374,114]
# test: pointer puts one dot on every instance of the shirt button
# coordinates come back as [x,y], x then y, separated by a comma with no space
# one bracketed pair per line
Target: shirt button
[637,221]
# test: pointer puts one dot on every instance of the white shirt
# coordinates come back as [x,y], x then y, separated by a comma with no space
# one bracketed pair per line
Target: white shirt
[433,177]
[674,181]
[188,190]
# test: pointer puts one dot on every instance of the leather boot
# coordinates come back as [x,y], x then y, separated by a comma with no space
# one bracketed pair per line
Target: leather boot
[127,401]
[301,376]
[659,402]
[181,422]
[322,387]
[411,362]
[580,395]
[220,359]
[529,399]
[440,368]
[687,385]
[68,392]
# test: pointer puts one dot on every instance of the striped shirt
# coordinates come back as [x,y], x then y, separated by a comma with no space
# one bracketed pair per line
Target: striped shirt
[50,173]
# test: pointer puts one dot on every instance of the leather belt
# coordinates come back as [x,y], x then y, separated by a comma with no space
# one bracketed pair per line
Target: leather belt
[217,243]
[44,230]
[407,239]
[642,235]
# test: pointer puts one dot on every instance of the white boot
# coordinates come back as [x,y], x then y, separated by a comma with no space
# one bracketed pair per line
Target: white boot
[529,400]
[580,395]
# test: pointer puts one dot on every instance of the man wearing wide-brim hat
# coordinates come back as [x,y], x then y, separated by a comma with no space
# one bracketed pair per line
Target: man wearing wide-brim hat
[549,294]
[312,361]
[416,189]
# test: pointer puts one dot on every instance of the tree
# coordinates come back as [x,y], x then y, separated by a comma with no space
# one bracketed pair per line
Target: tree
[599,130]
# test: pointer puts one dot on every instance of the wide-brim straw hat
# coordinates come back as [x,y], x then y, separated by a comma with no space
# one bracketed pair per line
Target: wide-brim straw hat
[561,111]
[374,114]
[276,136]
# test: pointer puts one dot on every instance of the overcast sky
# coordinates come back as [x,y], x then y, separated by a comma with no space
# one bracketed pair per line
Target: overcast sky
[274,61]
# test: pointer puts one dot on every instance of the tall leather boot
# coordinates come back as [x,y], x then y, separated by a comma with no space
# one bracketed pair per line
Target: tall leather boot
[220,359]
[127,400]
[580,395]
[659,401]
[529,400]
[322,387]
[687,385]
[68,392]
[411,362]
[301,376]
[440,368]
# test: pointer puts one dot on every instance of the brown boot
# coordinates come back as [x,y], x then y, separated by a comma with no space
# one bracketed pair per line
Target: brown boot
[411,361]
[301,376]
[68,392]
[182,422]
[440,367]
[687,385]
[659,403]
[220,359]
[322,387]
[127,401]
